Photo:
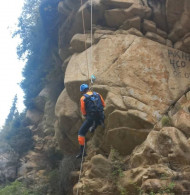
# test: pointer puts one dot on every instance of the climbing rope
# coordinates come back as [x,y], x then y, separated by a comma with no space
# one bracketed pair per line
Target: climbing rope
[85,45]
[91,80]
[91,38]
[81,167]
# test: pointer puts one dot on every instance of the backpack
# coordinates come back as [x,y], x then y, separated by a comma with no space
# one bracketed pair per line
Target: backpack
[93,103]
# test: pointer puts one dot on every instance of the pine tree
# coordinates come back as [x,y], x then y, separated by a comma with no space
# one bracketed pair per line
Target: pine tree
[13,111]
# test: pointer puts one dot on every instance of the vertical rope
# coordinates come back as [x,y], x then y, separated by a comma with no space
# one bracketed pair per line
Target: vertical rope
[83,23]
[91,51]
[81,167]
[91,34]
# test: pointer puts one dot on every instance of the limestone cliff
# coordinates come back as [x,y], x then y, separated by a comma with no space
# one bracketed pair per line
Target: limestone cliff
[141,59]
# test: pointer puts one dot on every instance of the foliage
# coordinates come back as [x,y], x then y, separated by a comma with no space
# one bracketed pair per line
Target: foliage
[117,170]
[168,189]
[87,190]
[53,178]
[15,131]
[17,135]
[68,164]
[164,190]
[117,163]
[53,156]
[165,121]
[13,111]
[122,191]
[36,29]
[15,188]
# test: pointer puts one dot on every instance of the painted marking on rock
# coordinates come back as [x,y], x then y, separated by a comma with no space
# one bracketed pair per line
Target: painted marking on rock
[179,60]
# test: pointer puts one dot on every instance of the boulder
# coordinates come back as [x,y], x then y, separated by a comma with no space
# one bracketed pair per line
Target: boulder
[131,31]
[158,13]
[168,145]
[100,167]
[74,23]
[132,23]
[124,140]
[181,120]
[180,114]
[159,163]
[131,118]
[183,44]
[49,118]
[40,100]
[155,37]
[135,180]
[162,33]
[174,9]
[101,32]
[188,97]
[80,42]
[94,186]
[138,10]
[69,121]
[115,100]
[34,116]
[169,43]
[149,26]
[132,103]
[118,3]
[116,17]
[182,24]
[8,163]
[98,172]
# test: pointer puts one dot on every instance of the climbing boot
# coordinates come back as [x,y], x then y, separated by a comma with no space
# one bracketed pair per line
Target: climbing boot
[81,152]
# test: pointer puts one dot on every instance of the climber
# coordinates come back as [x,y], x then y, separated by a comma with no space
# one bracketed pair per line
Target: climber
[92,107]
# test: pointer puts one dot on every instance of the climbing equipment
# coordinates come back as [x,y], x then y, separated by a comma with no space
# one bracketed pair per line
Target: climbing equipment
[81,167]
[92,78]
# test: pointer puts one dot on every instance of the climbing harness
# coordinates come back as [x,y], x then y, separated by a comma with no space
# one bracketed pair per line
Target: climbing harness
[92,78]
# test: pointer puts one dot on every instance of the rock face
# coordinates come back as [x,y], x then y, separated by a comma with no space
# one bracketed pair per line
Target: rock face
[163,153]
[141,58]
[139,77]
[8,164]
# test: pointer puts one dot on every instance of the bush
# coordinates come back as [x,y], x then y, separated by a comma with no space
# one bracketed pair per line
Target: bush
[17,135]
[16,188]
[165,121]
[67,165]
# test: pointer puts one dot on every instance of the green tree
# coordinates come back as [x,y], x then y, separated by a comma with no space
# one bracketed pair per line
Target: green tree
[15,131]
[16,188]
[13,111]
[37,29]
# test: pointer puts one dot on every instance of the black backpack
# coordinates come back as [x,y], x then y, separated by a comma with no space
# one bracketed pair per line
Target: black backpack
[93,103]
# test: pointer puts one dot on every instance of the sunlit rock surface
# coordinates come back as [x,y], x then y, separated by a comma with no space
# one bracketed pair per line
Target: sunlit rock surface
[141,59]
